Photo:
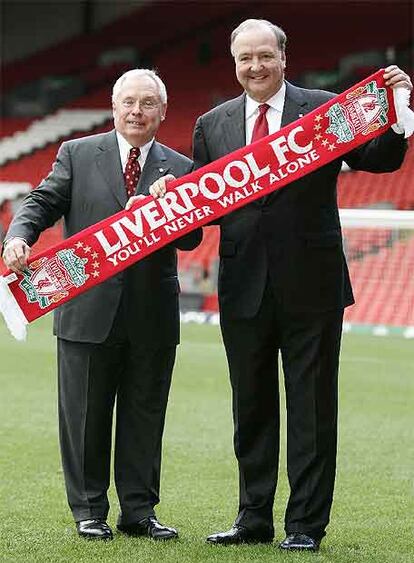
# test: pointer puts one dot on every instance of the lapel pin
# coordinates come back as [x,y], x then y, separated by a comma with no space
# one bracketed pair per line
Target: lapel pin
[160,169]
[301,115]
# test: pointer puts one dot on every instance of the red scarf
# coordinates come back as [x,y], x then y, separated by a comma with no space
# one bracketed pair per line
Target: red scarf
[104,249]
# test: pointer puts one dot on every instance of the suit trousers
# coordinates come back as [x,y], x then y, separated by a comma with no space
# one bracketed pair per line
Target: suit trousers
[309,344]
[90,378]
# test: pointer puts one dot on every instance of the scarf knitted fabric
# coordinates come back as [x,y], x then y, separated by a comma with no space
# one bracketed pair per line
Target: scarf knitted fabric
[102,250]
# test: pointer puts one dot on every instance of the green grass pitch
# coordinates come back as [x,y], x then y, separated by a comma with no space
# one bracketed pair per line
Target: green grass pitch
[373,513]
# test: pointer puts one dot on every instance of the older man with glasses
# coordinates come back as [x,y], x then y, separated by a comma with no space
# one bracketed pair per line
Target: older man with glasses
[118,340]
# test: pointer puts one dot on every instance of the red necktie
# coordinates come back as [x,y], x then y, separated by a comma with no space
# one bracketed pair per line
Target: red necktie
[261,127]
[132,171]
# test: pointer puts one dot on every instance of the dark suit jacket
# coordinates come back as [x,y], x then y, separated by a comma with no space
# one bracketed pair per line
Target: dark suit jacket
[85,186]
[295,237]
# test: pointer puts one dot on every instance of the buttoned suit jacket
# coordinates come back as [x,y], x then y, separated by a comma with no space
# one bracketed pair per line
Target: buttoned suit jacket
[293,237]
[85,186]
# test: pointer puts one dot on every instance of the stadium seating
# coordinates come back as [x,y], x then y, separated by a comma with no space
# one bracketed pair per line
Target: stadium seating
[82,53]
[11,125]
[192,57]
[205,254]
[384,286]
[35,166]
[361,189]
[49,129]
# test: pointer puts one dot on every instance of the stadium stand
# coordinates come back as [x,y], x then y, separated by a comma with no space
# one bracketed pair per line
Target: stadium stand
[384,286]
[52,128]
[83,53]
[396,190]
[11,125]
[191,55]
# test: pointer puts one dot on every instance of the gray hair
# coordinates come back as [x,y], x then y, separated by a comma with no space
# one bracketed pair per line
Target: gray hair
[251,23]
[135,73]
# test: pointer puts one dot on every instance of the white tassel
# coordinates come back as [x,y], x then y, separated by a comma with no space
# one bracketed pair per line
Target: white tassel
[15,320]
[405,116]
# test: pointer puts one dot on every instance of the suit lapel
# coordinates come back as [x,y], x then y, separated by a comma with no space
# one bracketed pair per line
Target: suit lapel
[234,125]
[156,165]
[295,105]
[109,163]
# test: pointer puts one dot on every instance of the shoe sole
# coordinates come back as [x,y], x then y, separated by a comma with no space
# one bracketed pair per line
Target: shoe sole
[138,535]
[246,541]
[294,548]
[95,538]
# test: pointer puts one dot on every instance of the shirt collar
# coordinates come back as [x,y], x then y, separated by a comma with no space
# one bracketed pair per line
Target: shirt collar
[125,147]
[277,101]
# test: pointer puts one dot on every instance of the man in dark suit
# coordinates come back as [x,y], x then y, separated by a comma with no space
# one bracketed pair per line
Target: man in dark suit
[117,340]
[283,285]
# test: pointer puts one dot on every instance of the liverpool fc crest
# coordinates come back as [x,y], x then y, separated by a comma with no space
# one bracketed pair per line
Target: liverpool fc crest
[364,111]
[49,279]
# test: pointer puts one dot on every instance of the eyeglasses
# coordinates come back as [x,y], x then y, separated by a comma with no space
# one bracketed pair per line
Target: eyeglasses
[147,104]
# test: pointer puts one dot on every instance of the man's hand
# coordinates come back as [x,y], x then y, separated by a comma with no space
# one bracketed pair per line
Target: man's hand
[158,188]
[133,200]
[395,78]
[16,254]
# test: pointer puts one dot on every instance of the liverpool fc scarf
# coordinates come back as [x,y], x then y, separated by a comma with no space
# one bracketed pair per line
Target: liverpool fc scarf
[104,249]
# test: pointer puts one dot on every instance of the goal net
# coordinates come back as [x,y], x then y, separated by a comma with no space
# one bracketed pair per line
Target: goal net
[379,245]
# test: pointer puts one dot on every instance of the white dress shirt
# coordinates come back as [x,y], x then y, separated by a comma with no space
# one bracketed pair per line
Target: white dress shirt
[273,115]
[125,147]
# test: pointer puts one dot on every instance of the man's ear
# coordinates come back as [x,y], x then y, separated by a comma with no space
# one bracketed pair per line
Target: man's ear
[163,111]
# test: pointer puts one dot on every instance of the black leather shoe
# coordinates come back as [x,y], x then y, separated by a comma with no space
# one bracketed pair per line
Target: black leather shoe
[239,534]
[299,542]
[149,527]
[94,530]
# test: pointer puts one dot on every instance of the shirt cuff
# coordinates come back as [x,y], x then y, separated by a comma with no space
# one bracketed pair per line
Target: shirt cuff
[398,129]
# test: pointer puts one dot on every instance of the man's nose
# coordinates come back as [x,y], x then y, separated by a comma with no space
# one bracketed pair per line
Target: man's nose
[256,64]
[136,108]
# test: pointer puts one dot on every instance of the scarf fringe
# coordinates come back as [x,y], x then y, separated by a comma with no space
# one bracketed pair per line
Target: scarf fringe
[405,116]
[13,315]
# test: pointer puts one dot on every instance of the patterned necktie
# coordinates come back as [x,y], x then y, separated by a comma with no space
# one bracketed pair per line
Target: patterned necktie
[261,127]
[132,171]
